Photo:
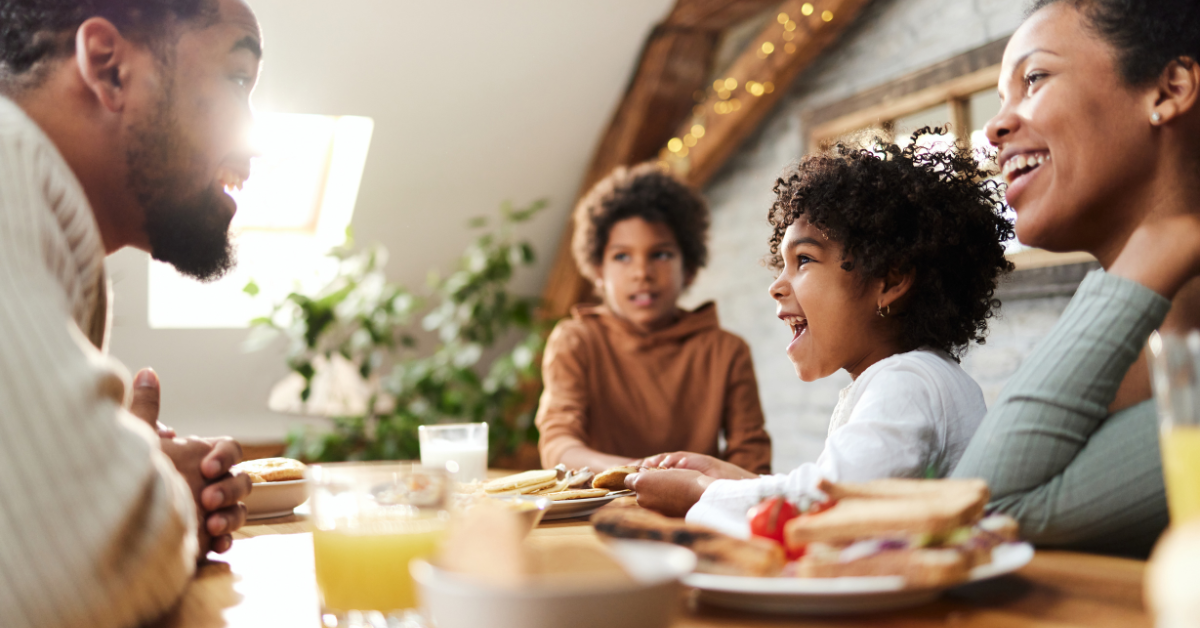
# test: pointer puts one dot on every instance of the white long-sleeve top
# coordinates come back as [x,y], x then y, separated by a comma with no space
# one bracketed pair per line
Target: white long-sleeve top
[910,415]
[97,528]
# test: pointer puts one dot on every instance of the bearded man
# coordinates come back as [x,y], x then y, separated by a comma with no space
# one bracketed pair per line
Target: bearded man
[121,124]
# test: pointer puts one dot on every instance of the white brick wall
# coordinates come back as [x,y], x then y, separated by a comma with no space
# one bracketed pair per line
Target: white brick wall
[891,39]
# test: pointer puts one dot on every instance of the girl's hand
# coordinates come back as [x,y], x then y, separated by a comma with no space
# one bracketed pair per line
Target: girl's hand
[670,491]
[1162,254]
[712,467]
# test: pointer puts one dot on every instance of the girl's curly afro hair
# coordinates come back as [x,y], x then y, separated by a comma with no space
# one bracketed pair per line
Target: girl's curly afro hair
[932,212]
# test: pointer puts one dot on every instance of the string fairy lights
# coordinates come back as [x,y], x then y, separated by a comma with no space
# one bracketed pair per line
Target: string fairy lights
[724,97]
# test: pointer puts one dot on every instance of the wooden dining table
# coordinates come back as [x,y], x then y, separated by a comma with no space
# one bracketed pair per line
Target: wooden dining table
[267,579]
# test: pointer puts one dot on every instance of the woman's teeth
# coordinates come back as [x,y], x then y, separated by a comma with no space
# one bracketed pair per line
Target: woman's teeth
[1023,164]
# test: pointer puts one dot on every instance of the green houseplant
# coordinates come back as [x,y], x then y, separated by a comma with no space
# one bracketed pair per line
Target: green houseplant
[362,318]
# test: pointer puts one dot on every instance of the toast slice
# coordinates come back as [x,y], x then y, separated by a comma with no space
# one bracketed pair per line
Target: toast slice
[967,491]
[921,568]
[890,508]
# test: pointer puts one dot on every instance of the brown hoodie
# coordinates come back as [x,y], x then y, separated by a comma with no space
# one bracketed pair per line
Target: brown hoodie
[620,391]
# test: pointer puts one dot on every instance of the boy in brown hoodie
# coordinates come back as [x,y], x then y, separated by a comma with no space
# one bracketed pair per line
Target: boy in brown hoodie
[637,375]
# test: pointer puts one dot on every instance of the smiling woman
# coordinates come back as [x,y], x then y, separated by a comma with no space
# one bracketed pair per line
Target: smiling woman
[1098,142]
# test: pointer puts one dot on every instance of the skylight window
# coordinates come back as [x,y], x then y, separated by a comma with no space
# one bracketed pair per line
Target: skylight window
[295,206]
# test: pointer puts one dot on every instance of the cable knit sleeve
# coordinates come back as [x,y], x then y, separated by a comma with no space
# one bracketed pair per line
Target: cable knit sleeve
[96,527]
[1071,473]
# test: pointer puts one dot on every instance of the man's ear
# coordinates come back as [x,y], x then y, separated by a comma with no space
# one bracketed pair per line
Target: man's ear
[895,286]
[101,53]
[1177,89]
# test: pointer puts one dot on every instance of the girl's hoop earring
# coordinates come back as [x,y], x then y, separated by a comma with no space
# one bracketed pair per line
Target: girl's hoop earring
[884,311]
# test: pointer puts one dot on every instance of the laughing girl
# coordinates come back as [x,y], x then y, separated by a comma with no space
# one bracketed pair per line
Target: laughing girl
[888,260]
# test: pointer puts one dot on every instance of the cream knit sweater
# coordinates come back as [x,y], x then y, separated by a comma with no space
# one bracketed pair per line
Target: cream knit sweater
[97,528]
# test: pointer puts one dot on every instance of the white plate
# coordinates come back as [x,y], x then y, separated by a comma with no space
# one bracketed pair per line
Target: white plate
[275,499]
[571,508]
[839,596]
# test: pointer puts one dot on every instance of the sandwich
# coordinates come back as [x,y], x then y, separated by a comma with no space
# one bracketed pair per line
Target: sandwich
[931,532]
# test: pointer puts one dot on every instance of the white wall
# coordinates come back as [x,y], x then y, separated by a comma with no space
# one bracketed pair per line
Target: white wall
[475,102]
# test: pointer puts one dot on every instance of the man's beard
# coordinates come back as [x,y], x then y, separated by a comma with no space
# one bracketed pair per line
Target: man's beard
[187,227]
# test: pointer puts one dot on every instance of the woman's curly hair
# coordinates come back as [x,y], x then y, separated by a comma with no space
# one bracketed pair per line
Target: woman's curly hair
[932,212]
[645,192]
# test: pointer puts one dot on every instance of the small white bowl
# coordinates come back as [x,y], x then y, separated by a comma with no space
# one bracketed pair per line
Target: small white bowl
[275,499]
[651,601]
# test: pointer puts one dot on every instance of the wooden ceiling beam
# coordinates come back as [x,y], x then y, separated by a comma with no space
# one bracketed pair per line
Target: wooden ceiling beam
[659,104]
[715,15]
[758,78]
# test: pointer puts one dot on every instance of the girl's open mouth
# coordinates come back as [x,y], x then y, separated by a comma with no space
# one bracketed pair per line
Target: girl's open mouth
[799,325]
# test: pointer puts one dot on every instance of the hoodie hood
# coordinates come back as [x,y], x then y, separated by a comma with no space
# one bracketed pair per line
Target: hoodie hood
[623,334]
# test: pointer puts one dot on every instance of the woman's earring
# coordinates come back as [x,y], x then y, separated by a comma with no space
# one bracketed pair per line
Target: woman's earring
[884,311]
[1156,117]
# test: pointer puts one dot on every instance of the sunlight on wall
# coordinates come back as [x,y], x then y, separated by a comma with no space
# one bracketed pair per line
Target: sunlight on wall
[295,206]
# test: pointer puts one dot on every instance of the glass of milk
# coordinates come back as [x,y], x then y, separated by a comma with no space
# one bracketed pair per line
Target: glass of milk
[459,448]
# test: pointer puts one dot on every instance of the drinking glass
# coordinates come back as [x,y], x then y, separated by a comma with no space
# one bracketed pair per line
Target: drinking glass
[1175,367]
[369,520]
[459,448]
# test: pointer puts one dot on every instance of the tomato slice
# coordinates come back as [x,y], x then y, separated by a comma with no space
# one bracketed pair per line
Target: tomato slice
[769,516]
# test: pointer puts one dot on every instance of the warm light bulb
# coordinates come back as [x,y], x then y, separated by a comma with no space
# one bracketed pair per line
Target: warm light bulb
[689,140]
[768,87]
[790,26]
[718,84]
[731,84]
[827,16]
[698,130]
[783,18]
[789,36]
[807,9]
[675,145]
[768,47]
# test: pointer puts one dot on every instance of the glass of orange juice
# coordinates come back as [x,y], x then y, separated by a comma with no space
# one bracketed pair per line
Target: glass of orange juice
[369,520]
[1175,366]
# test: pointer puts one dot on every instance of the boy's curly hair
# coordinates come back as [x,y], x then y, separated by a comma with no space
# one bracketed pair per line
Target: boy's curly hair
[933,212]
[645,192]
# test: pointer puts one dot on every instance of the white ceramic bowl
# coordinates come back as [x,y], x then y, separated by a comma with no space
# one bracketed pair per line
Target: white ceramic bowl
[452,601]
[275,499]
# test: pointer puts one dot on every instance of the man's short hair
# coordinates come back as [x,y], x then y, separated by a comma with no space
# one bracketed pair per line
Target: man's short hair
[32,31]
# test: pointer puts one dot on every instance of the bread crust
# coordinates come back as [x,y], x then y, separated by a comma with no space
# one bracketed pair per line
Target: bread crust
[891,507]
[920,568]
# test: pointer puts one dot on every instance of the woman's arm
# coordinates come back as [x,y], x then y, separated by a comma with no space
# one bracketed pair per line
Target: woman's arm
[1054,458]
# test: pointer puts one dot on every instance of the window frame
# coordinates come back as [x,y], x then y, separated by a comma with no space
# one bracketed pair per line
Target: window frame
[951,82]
